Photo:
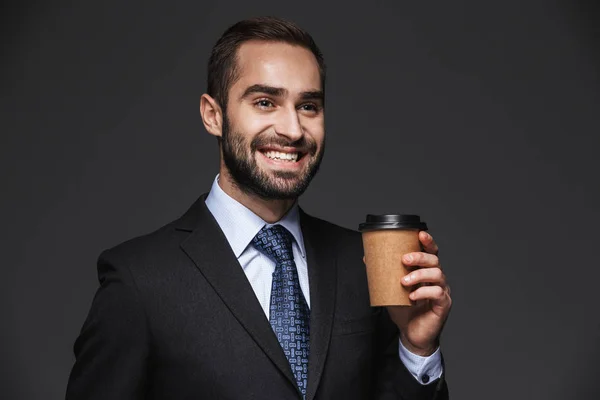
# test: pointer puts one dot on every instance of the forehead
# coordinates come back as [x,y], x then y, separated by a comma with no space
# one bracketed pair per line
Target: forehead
[276,64]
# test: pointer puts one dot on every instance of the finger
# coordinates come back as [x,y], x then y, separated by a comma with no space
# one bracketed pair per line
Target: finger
[434,293]
[420,259]
[425,275]
[428,243]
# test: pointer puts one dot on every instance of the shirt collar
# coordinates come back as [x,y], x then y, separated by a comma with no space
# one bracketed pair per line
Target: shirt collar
[240,224]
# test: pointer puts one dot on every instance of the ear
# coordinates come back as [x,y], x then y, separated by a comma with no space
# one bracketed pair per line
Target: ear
[212,115]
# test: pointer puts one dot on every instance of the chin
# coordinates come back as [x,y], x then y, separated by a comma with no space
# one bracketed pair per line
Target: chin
[277,188]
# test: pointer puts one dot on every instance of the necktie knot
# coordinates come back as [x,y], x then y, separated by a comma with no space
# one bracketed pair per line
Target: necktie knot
[275,242]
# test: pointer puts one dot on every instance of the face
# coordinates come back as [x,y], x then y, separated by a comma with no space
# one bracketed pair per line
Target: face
[273,131]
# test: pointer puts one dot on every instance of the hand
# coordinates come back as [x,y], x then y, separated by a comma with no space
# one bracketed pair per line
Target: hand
[421,324]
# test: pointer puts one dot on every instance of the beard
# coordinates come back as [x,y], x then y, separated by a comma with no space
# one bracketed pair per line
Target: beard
[239,157]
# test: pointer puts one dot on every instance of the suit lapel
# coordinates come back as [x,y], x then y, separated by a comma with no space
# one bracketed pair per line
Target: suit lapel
[210,251]
[322,276]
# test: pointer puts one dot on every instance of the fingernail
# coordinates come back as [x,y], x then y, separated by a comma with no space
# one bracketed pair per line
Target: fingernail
[407,278]
[408,258]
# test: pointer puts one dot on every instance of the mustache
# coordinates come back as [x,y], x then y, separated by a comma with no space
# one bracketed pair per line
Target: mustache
[302,145]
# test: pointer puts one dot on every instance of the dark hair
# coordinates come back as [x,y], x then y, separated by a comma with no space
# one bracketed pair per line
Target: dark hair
[223,70]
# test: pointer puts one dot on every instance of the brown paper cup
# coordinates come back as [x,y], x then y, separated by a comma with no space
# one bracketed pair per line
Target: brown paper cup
[383,257]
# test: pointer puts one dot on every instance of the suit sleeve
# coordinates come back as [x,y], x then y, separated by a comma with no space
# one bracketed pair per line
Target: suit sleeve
[111,351]
[392,380]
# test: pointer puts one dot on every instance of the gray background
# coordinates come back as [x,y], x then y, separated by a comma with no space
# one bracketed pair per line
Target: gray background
[482,117]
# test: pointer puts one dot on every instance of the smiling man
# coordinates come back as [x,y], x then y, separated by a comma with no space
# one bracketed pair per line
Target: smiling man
[246,296]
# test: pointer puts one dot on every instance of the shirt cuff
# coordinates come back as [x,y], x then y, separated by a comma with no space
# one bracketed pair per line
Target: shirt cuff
[424,369]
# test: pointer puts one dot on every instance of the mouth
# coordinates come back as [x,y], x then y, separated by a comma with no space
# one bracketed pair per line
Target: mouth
[282,155]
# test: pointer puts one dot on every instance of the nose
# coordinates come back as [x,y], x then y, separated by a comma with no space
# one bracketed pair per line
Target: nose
[289,125]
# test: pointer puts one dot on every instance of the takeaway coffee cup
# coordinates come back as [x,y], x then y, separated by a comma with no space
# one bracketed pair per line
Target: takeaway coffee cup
[386,238]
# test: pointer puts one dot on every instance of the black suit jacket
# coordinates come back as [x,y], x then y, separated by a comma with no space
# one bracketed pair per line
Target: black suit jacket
[176,318]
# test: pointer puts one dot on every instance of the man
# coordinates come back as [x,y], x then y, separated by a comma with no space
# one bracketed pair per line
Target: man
[246,296]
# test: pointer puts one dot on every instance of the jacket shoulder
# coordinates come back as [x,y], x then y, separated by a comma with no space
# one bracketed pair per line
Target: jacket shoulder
[146,243]
[332,231]
[155,243]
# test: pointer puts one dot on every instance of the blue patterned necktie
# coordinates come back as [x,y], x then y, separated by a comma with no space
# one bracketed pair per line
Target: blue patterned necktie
[289,314]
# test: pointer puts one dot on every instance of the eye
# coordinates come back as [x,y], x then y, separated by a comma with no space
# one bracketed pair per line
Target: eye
[264,103]
[311,107]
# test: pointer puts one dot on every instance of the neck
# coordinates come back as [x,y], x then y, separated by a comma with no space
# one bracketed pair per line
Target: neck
[270,211]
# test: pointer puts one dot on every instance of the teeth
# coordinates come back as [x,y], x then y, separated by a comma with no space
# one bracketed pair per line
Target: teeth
[276,155]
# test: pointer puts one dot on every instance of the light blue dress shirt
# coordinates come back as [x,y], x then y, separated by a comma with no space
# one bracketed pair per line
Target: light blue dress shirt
[240,225]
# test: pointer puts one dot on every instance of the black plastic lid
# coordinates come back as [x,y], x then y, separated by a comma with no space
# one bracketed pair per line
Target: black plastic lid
[392,221]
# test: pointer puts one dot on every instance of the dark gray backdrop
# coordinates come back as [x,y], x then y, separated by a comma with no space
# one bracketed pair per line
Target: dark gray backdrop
[481,117]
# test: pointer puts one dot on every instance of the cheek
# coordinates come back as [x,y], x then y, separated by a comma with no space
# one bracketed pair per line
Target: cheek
[316,129]
[251,123]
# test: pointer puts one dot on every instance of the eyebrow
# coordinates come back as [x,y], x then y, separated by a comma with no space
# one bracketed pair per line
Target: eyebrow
[281,92]
[312,95]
